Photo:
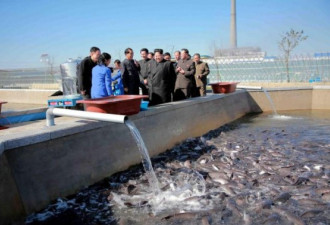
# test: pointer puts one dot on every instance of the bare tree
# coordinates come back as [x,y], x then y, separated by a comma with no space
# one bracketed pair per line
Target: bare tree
[290,40]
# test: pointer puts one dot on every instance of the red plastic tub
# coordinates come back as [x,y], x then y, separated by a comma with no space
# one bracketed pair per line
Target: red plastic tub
[224,87]
[1,104]
[121,104]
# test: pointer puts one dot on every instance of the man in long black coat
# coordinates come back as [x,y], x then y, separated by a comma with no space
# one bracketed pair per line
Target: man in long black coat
[160,79]
[131,77]
[85,72]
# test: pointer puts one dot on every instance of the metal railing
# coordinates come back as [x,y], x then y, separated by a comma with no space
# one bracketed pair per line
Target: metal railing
[29,79]
[303,68]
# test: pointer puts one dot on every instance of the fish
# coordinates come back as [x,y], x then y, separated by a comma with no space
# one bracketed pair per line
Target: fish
[273,218]
[185,216]
[289,216]
[231,204]
[219,177]
[247,219]
[228,190]
[282,198]
[311,202]
[311,213]
[326,196]
[205,220]
[265,204]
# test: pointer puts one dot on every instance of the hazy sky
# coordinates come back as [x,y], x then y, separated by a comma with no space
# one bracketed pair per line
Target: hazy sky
[67,29]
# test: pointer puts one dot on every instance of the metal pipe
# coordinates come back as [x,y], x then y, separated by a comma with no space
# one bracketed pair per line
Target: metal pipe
[249,87]
[52,112]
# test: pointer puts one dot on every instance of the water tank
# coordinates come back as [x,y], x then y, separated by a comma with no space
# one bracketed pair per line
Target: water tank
[69,76]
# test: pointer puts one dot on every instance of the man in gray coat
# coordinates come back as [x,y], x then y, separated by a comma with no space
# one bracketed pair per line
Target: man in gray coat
[185,71]
[144,67]
[202,70]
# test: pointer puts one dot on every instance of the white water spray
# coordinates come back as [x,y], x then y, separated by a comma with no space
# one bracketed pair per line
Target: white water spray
[151,176]
[270,101]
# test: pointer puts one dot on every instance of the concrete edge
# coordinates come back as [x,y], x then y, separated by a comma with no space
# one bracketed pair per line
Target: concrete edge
[288,88]
[321,87]
[78,125]
[37,90]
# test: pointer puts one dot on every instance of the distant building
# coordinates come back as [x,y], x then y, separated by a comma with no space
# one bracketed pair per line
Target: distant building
[244,52]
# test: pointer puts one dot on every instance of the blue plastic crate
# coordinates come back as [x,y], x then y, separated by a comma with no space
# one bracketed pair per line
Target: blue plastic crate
[144,105]
[63,102]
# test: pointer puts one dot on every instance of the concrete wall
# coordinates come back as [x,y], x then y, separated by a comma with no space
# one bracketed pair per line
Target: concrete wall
[284,99]
[321,97]
[11,207]
[31,96]
[39,163]
[294,98]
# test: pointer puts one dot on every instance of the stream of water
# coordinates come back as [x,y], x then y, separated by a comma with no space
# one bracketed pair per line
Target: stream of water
[153,181]
[176,188]
[270,101]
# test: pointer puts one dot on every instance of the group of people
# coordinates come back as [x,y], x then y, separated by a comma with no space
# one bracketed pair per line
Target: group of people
[162,79]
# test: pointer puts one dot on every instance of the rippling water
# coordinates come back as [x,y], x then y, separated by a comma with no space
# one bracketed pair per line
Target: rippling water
[261,169]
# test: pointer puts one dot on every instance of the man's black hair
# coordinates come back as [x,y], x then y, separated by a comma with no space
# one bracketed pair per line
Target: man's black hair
[144,50]
[117,61]
[197,55]
[128,50]
[167,54]
[94,49]
[185,50]
[158,50]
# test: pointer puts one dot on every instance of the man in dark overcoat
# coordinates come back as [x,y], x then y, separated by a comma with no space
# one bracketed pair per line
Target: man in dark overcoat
[131,77]
[85,72]
[160,79]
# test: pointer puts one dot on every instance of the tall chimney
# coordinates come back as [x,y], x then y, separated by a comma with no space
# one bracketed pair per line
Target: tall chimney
[233,38]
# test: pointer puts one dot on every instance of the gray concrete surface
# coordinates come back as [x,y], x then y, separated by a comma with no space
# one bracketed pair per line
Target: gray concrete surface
[27,96]
[39,163]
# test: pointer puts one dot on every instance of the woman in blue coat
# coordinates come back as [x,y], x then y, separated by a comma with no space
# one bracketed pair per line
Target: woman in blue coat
[101,77]
[118,81]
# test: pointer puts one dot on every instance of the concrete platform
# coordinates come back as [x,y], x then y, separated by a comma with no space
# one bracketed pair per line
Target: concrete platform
[14,107]
[39,163]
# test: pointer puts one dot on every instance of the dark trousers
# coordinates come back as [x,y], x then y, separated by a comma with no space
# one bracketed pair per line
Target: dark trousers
[133,91]
[144,88]
[181,94]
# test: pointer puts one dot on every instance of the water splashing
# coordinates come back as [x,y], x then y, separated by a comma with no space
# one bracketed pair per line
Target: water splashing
[151,176]
[180,190]
[270,101]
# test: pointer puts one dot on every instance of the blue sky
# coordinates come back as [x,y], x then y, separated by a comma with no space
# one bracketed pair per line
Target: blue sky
[67,29]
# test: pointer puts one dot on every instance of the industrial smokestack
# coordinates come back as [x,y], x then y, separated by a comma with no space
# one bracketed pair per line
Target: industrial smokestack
[233,38]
